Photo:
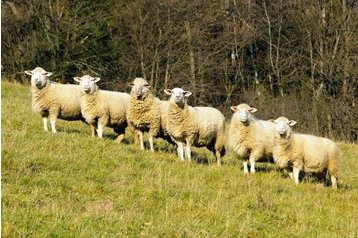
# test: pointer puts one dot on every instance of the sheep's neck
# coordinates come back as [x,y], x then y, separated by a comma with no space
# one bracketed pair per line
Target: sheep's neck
[37,93]
[284,142]
[178,113]
[89,102]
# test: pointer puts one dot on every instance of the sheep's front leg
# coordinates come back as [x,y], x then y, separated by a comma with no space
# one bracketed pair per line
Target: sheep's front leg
[246,170]
[44,120]
[53,123]
[334,182]
[180,150]
[100,131]
[151,143]
[188,150]
[141,142]
[296,173]
[252,163]
[93,130]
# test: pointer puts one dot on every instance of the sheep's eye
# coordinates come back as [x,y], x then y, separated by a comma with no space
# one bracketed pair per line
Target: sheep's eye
[146,85]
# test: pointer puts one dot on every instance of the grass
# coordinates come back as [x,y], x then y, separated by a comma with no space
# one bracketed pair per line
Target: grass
[72,185]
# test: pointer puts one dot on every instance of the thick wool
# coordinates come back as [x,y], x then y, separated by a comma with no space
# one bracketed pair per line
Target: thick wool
[144,115]
[197,126]
[252,140]
[57,101]
[106,108]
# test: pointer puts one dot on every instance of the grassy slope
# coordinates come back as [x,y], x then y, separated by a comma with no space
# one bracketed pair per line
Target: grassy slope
[70,184]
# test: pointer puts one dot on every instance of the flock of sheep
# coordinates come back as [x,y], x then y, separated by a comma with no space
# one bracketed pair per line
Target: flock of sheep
[251,139]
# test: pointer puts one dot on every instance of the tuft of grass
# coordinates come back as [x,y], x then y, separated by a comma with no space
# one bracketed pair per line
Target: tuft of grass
[72,185]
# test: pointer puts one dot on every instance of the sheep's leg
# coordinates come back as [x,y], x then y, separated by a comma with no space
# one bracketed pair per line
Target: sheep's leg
[44,120]
[100,131]
[141,142]
[246,170]
[334,182]
[120,138]
[180,150]
[188,150]
[93,130]
[296,173]
[53,124]
[218,157]
[151,143]
[252,164]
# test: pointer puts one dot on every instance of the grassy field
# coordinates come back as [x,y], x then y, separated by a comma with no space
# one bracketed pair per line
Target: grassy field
[72,185]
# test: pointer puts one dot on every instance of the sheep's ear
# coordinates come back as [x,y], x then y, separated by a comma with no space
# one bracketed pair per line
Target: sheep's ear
[271,120]
[292,123]
[131,85]
[77,79]
[233,108]
[147,86]
[252,109]
[168,91]
[96,79]
[28,72]
[187,93]
[47,74]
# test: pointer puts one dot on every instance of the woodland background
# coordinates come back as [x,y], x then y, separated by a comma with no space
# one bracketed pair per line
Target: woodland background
[296,58]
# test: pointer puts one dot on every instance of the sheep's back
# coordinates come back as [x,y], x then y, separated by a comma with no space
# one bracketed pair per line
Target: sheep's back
[209,121]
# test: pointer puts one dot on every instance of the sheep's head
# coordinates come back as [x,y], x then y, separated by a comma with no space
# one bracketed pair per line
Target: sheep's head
[283,126]
[88,84]
[140,88]
[38,77]
[244,112]
[178,95]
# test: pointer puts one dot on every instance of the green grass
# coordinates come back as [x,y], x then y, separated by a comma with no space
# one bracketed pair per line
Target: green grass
[72,185]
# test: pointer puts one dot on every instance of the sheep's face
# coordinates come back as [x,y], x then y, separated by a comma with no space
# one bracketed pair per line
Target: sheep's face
[243,112]
[38,77]
[140,88]
[178,95]
[88,84]
[283,126]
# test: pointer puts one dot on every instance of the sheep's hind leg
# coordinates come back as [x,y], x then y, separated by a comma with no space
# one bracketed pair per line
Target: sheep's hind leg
[120,138]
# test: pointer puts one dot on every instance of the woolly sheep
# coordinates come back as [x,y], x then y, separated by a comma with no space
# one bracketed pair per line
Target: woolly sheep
[103,108]
[194,126]
[144,112]
[54,100]
[303,152]
[250,138]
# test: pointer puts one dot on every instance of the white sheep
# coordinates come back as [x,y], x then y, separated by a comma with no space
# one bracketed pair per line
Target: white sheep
[53,100]
[303,152]
[144,113]
[194,126]
[103,108]
[250,138]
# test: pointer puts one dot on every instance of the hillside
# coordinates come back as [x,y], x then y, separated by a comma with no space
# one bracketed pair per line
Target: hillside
[72,185]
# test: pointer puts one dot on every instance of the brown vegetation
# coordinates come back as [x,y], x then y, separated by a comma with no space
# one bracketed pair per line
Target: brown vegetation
[292,58]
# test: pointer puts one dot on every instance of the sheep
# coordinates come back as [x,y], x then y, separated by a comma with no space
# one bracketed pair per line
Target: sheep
[103,108]
[194,126]
[54,100]
[250,138]
[144,113]
[303,152]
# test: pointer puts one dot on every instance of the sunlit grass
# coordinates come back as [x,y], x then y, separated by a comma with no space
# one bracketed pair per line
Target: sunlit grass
[72,185]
